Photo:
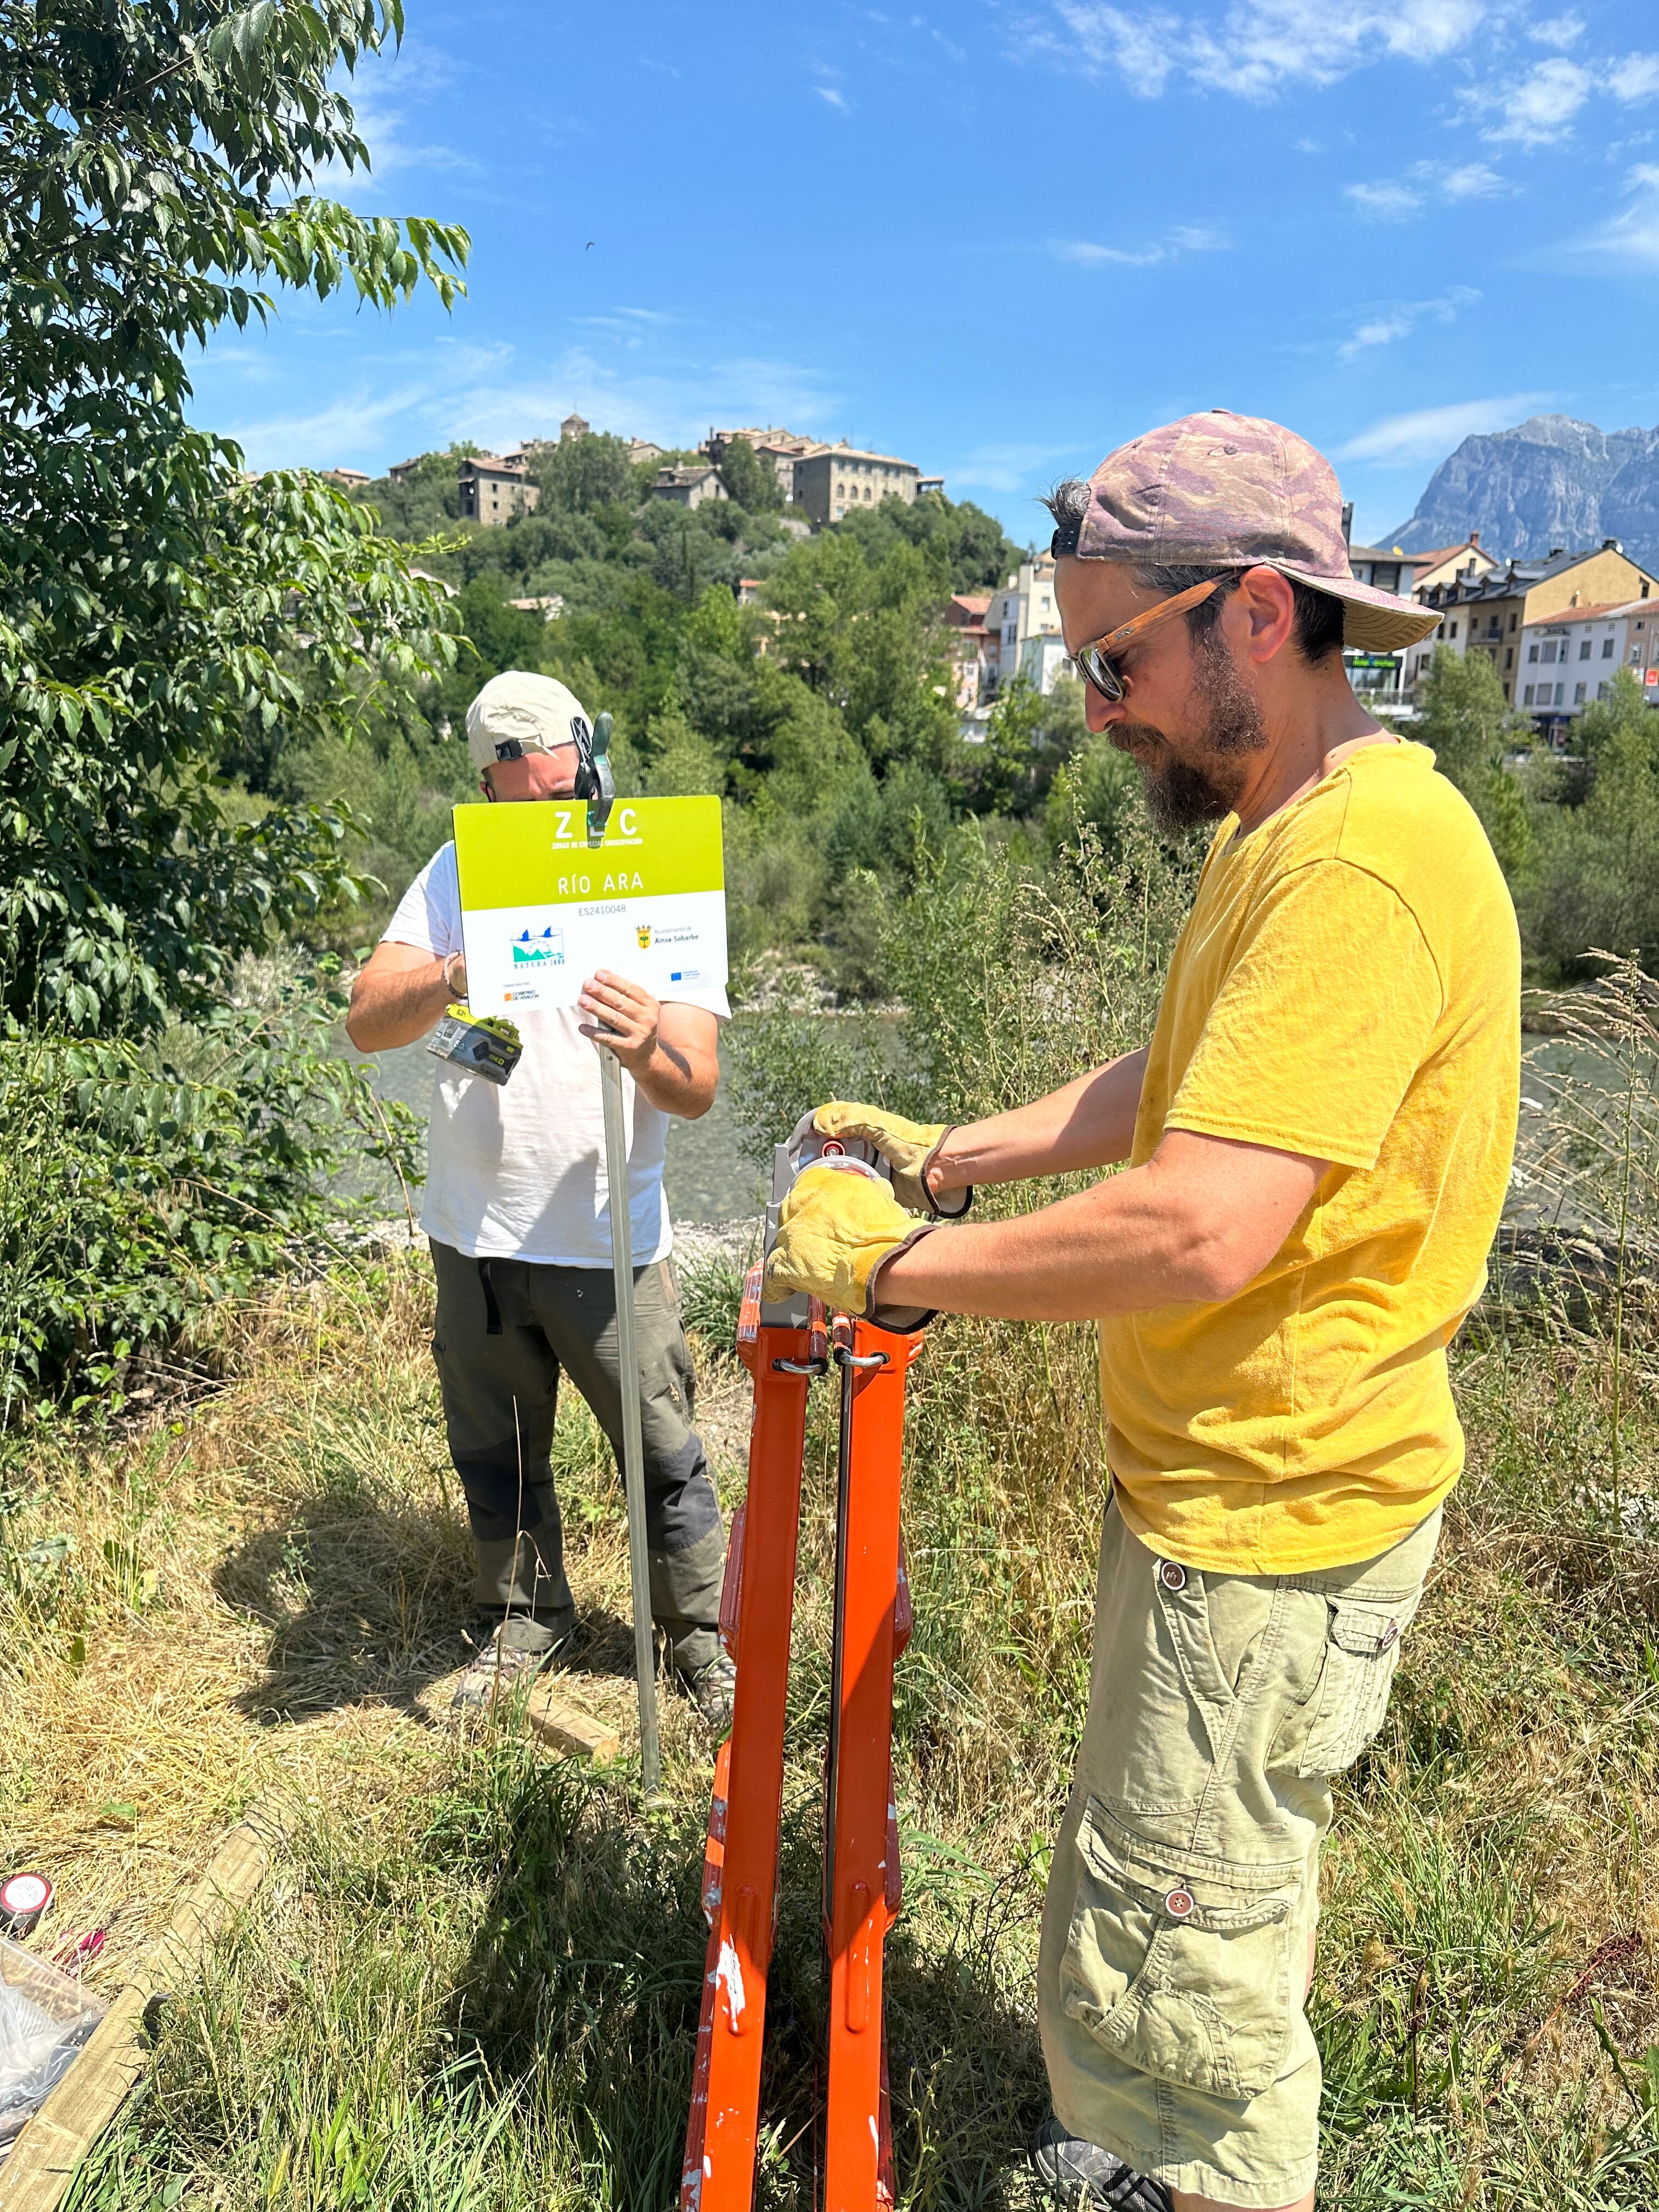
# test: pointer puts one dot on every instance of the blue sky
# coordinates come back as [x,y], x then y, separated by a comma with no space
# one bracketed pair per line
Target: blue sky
[996,239]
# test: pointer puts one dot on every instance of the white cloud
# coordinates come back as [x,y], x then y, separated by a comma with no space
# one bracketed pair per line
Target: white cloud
[1561,31]
[1091,256]
[836,99]
[1633,234]
[1389,203]
[632,326]
[1199,238]
[1473,180]
[329,437]
[411,402]
[1141,47]
[394,148]
[1380,330]
[1399,321]
[1635,78]
[674,403]
[1007,468]
[1185,237]
[1538,109]
[1430,432]
[1258,46]
[1393,200]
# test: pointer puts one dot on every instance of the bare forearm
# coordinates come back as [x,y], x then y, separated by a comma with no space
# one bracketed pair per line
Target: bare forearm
[1089,1123]
[678,1082]
[395,1008]
[1120,1248]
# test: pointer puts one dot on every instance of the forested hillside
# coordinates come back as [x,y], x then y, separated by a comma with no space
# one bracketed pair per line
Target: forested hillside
[825,715]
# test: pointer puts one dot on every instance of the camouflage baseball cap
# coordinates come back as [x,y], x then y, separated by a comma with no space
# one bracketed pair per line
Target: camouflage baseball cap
[1220,490]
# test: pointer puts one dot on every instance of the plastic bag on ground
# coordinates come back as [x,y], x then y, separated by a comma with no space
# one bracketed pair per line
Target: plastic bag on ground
[45,2018]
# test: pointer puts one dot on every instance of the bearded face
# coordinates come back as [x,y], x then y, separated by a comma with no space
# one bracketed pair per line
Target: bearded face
[1199,776]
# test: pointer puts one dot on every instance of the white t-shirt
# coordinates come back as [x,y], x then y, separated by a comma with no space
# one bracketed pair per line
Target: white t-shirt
[516,1170]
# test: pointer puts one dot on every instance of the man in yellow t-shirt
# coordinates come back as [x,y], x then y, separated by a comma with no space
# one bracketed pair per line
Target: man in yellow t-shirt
[1316,1144]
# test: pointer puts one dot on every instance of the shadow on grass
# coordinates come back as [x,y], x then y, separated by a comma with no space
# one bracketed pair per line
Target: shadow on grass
[367,1603]
[364,1604]
[583,1984]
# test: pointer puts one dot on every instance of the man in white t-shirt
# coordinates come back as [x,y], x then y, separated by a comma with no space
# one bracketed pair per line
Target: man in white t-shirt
[518,1211]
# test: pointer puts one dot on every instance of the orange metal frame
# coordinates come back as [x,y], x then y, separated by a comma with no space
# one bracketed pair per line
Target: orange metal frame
[740,1866]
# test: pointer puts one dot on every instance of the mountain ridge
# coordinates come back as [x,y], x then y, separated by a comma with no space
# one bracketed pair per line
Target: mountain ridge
[1552,481]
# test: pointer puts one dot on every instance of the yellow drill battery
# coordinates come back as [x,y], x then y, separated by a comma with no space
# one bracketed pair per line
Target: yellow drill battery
[484,1045]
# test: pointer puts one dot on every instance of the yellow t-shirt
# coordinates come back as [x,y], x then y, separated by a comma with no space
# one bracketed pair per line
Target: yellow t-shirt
[1347,986]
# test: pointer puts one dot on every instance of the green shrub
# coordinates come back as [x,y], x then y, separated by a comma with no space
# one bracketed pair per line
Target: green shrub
[1593,879]
[141,1183]
[711,1292]
[782,1062]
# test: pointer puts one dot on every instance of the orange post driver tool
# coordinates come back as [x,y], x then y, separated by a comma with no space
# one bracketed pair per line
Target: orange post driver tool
[785,1347]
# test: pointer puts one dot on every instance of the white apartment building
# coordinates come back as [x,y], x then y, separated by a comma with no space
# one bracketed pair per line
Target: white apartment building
[1569,660]
[1043,660]
[1021,628]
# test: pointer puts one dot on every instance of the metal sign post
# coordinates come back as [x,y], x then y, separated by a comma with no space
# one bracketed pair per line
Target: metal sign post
[622,1261]
[594,784]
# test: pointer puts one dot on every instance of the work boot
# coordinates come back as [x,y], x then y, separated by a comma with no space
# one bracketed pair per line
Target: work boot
[1083,2174]
[510,1654]
[711,1688]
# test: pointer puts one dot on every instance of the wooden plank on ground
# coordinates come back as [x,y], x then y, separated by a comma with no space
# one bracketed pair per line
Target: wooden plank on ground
[43,2162]
[567,1729]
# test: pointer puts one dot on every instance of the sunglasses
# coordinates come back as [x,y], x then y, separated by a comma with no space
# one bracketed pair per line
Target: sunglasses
[1098,661]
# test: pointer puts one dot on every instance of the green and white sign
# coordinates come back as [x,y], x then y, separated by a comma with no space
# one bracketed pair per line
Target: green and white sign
[542,908]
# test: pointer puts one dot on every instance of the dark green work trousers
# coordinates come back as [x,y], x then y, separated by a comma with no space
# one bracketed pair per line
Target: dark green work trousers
[506,1329]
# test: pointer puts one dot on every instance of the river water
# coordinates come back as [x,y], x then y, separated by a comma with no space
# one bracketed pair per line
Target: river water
[708,1180]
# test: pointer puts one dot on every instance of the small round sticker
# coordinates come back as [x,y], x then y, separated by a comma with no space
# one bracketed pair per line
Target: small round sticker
[1172,1575]
[1178,1903]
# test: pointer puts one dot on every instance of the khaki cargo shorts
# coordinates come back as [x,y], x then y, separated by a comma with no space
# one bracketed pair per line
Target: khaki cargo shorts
[1184,1888]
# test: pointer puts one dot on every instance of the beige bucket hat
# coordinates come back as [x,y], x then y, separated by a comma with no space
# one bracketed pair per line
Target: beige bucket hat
[518,712]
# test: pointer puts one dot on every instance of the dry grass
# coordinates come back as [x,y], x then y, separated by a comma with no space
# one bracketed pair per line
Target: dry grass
[473,1980]
[263,1593]
[472,1983]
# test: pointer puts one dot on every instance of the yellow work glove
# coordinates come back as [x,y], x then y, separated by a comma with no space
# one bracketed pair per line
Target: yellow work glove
[908,1147]
[835,1229]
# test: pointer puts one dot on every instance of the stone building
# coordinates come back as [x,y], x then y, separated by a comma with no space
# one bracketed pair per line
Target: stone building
[830,481]
[780,449]
[492,488]
[690,484]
